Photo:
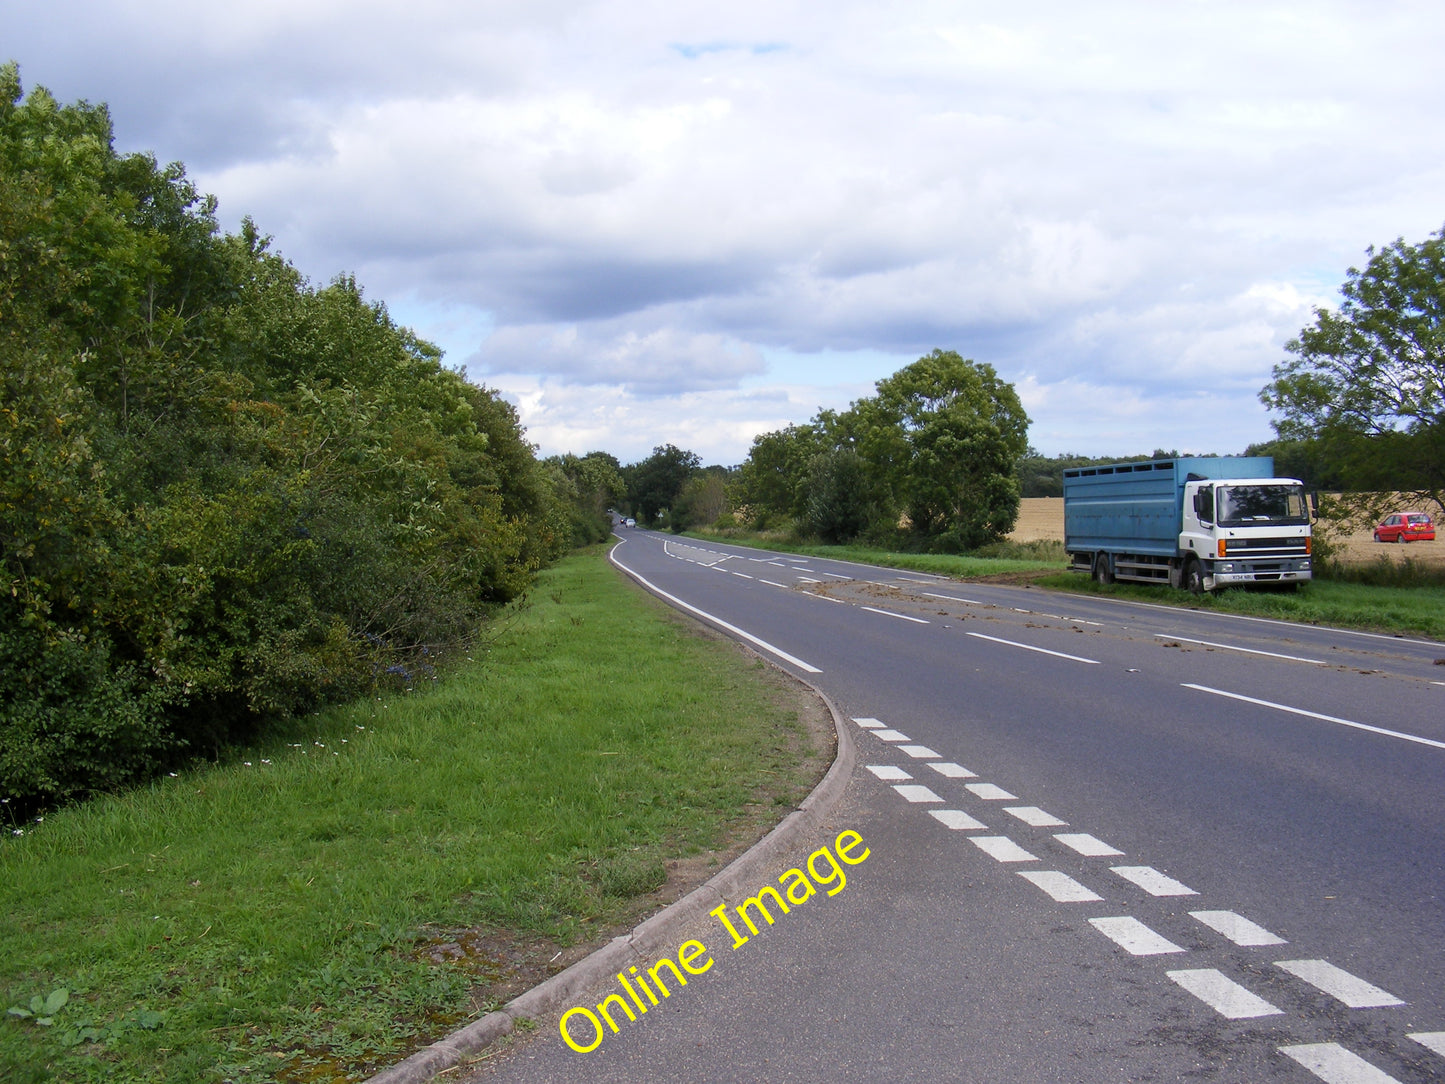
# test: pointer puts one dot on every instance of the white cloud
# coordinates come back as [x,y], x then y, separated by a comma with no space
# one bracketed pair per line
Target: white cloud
[1125,207]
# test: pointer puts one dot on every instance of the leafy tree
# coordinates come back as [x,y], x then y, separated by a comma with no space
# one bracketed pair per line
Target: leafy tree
[654,484]
[1366,383]
[224,494]
[944,434]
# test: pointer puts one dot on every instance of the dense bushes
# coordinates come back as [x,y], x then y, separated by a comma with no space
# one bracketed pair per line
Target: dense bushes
[224,493]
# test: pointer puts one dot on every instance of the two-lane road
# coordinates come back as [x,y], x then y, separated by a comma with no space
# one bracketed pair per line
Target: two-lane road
[1107,841]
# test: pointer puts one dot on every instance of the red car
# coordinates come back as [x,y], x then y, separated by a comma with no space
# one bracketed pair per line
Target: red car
[1405,527]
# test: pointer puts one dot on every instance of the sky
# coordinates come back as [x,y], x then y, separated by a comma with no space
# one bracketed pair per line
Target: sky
[671,222]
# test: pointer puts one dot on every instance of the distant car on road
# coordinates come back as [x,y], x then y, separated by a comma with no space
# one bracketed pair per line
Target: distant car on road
[1405,527]
[630,522]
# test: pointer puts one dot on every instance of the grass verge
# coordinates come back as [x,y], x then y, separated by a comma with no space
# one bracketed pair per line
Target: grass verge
[372,877]
[1006,557]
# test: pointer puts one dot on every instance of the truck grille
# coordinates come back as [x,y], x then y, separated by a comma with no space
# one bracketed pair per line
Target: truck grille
[1253,548]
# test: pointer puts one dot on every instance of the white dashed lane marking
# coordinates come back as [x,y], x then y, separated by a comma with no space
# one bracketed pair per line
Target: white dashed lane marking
[1435,1040]
[1329,1062]
[1231,647]
[1316,715]
[1223,995]
[1152,881]
[1060,886]
[888,772]
[890,613]
[1339,984]
[1334,1064]
[1087,845]
[916,792]
[951,770]
[1041,650]
[1133,936]
[957,819]
[1237,928]
[990,793]
[1035,817]
[1002,849]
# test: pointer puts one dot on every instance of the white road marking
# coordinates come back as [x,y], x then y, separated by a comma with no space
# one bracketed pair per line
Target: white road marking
[1002,849]
[889,735]
[990,793]
[1317,715]
[1035,817]
[1152,881]
[890,613]
[889,772]
[805,579]
[919,752]
[957,819]
[833,575]
[916,792]
[1339,984]
[950,770]
[1246,650]
[1087,845]
[1333,1064]
[1040,650]
[866,721]
[1223,995]
[772,583]
[1060,886]
[1435,1040]
[719,622]
[1237,928]
[825,598]
[1133,936]
[955,598]
[744,575]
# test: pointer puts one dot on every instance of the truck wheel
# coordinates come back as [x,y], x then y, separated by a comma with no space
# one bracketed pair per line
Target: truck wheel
[1102,574]
[1194,577]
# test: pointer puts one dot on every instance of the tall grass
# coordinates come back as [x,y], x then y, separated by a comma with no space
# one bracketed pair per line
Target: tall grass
[270,918]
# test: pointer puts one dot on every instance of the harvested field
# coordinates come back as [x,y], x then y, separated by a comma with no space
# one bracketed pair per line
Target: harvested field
[1042,519]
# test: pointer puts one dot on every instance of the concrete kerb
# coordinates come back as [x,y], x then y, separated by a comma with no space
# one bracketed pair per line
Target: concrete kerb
[657,932]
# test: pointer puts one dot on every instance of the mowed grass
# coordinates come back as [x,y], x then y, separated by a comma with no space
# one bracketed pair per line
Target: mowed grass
[270,919]
[1006,557]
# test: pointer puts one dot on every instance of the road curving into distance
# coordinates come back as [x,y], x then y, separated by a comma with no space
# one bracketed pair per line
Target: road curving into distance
[1099,841]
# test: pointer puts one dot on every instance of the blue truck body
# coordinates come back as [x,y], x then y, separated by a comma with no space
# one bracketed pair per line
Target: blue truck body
[1138,521]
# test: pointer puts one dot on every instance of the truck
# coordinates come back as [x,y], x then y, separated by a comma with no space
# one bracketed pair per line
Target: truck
[1196,522]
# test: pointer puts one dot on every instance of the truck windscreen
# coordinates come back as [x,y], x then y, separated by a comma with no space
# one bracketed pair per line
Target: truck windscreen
[1243,506]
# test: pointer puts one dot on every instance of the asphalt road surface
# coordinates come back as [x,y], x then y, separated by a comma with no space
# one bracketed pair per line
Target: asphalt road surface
[1105,842]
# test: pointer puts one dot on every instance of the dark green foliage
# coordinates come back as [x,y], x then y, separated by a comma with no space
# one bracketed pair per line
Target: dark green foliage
[224,493]
[1365,388]
[654,485]
[925,464]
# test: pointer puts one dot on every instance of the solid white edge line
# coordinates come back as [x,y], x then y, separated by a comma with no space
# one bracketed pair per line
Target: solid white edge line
[1247,650]
[718,621]
[1317,715]
[889,613]
[1030,647]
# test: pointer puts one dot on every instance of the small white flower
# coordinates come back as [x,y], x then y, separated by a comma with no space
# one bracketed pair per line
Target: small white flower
[246,762]
[17,831]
